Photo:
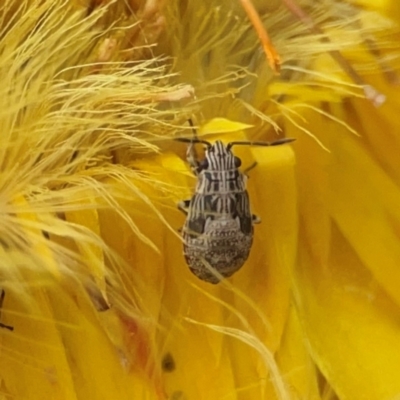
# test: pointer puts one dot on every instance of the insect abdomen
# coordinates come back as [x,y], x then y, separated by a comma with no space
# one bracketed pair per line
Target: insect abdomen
[218,235]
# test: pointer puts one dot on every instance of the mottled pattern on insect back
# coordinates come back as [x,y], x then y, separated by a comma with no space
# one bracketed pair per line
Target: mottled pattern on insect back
[218,232]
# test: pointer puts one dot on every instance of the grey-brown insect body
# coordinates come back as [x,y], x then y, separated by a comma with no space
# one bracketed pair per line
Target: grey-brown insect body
[218,231]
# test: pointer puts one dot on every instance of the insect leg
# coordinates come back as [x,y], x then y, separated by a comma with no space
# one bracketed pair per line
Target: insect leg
[183,206]
[10,328]
[191,155]
[255,219]
[250,167]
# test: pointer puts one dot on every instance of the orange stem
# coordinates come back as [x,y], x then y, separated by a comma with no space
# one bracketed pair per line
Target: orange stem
[272,55]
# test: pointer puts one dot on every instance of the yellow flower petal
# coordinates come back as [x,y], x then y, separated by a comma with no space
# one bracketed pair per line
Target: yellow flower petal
[346,280]
[222,125]
[91,253]
[295,361]
[90,215]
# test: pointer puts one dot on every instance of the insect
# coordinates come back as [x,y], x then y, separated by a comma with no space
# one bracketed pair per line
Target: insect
[218,231]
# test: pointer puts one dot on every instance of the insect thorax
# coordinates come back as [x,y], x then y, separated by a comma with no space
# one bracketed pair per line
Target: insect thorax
[220,182]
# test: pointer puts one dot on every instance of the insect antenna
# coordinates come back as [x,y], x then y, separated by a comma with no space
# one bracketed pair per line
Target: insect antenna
[249,143]
[194,139]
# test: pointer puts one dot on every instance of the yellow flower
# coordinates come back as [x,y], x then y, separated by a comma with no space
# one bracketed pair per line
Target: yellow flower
[98,301]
